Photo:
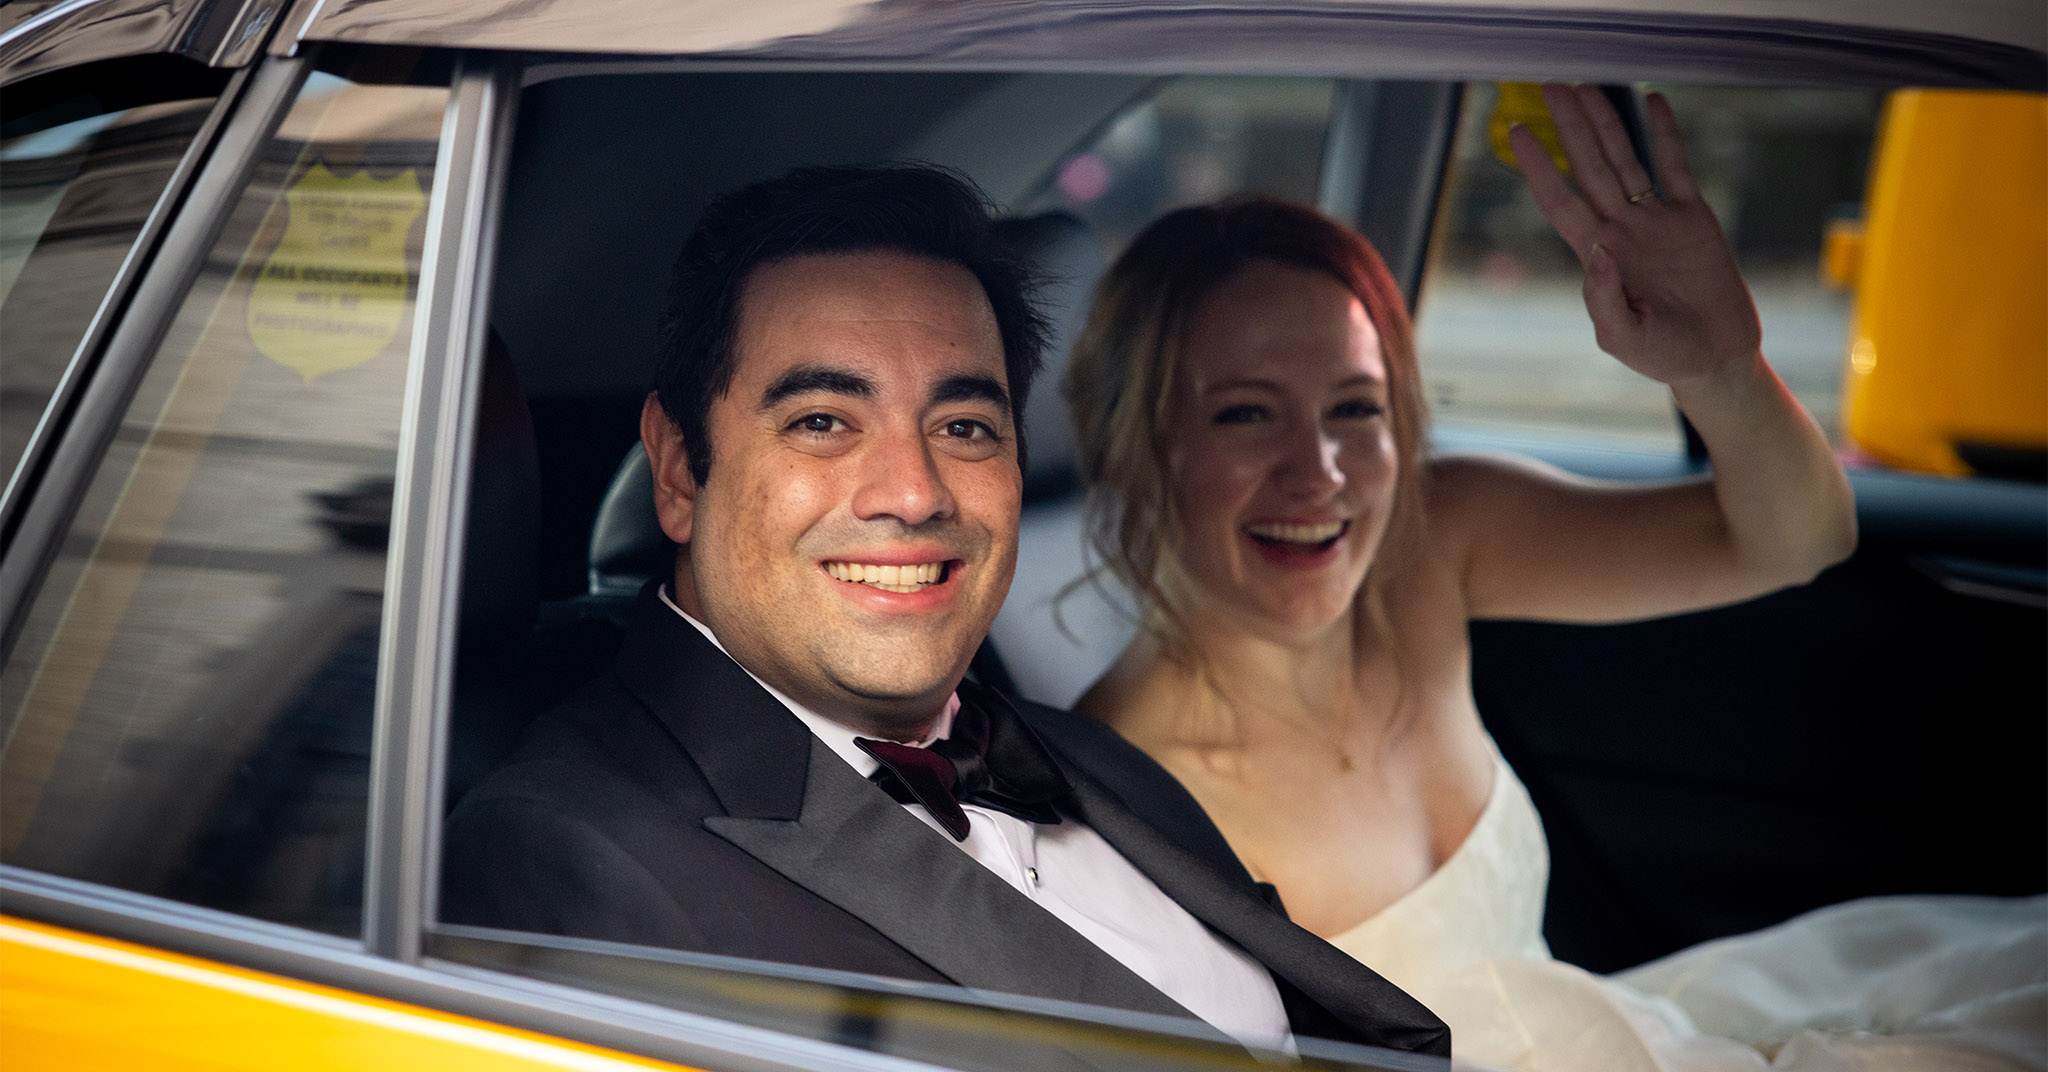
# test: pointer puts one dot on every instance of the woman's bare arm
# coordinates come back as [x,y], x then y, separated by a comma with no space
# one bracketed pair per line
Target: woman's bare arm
[1666,300]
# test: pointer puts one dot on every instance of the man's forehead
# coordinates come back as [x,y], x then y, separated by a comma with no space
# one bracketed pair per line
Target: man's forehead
[894,318]
[797,381]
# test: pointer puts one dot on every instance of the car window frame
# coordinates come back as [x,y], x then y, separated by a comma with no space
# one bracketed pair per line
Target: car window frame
[411,786]
[416,659]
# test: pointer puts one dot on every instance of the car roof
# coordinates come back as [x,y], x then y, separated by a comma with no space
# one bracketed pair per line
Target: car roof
[1963,42]
[1879,43]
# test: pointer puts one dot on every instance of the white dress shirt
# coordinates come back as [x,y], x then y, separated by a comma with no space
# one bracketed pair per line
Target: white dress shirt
[1081,879]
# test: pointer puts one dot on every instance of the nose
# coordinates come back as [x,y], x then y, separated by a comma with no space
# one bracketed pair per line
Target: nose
[900,478]
[1308,463]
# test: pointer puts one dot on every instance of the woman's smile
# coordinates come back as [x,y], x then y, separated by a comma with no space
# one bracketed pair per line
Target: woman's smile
[1297,546]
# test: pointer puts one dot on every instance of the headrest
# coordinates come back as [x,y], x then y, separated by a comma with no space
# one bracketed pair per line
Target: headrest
[1070,261]
[627,546]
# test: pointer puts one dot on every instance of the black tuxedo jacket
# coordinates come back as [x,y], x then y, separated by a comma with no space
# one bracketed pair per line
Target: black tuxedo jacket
[675,803]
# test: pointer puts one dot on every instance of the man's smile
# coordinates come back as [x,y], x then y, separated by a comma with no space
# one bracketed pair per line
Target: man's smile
[913,577]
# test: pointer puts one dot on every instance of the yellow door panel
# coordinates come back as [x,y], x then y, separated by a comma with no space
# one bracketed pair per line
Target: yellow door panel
[75,1001]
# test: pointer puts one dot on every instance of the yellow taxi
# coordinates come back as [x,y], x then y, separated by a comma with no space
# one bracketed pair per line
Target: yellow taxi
[323,328]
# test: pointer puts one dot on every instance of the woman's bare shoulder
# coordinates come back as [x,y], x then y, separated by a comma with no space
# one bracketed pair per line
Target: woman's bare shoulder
[1464,490]
[1126,689]
[1473,500]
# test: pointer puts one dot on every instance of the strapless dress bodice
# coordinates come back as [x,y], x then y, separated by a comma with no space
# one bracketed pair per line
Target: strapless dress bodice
[1484,903]
[1888,984]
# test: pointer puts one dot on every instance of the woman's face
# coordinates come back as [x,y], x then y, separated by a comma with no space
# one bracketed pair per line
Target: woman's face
[1280,447]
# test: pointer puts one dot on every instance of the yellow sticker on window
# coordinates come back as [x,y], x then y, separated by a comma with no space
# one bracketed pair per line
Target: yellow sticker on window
[332,295]
[1522,103]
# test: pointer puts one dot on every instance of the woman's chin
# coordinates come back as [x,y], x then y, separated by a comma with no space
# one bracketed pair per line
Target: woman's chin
[1291,606]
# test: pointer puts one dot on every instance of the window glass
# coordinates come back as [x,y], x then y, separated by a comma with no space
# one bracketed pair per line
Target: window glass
[1502,329]
[1189,141]
[188,710]
[77,178]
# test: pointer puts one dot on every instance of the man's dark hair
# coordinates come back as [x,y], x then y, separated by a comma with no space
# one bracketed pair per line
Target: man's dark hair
[902,208]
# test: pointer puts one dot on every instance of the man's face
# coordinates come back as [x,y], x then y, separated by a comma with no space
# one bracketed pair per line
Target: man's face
[858,529]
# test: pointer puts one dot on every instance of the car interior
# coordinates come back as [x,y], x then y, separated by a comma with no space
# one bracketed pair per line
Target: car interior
[1877,731]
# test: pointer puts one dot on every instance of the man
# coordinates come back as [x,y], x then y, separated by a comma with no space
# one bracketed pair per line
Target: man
[786,764]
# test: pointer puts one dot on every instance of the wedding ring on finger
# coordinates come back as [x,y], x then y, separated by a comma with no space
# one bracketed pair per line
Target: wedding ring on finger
[1637,199]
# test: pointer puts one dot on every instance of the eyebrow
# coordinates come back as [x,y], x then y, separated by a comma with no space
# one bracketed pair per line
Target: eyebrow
[970,389]
[816,379]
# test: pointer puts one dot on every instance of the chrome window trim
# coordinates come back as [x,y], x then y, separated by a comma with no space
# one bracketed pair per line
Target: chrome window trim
[21,482]
[218,33]
[132,343]
[563,1012]
[415,671]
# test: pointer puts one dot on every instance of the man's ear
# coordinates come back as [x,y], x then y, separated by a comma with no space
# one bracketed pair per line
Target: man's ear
[675,490]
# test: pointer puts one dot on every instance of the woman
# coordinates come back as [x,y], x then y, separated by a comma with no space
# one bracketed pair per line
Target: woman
[1250,423]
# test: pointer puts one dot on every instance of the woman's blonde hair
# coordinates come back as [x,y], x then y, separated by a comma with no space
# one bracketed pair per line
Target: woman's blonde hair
[1121,378]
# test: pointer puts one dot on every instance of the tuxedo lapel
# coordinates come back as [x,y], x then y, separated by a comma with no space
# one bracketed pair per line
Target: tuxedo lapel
[1376,1011]
[857,848]
[798,808]
[752,751]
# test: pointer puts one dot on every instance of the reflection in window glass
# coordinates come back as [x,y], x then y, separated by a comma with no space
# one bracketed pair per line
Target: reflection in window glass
[188,710]
[1502,328]
[1194,140]
[73,196]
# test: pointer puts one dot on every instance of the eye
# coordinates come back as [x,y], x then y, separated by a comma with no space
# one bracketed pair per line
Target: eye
[968,439]
[1356,409]
[817,424]
[970,430]
[1245,413]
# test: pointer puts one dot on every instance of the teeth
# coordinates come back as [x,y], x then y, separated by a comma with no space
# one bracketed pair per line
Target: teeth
[1323,533]
[888,578]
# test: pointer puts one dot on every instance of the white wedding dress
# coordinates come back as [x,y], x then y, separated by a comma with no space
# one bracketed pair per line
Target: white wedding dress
[1954,984]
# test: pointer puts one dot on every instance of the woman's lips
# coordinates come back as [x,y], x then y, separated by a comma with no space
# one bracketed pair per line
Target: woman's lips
[1310,536]
[1294,545]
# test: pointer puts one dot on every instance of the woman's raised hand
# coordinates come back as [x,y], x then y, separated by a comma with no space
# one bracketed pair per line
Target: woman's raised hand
[1661,283]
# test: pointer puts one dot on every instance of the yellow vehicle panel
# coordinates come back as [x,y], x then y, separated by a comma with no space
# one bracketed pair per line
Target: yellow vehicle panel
[1949,345]
[78,1001]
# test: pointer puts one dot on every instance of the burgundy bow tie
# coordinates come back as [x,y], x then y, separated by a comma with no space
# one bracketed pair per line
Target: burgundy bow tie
[990,759]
